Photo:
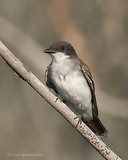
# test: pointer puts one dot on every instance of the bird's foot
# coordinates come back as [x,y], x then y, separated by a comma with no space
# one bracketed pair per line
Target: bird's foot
[79,120]
[56,99]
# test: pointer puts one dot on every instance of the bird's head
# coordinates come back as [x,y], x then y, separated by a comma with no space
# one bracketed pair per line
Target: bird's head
[61,47]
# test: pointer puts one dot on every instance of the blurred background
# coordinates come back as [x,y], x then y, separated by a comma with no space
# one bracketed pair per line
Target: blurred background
[29,127]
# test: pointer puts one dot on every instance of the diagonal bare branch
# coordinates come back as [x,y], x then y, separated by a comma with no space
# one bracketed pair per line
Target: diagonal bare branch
[44,92]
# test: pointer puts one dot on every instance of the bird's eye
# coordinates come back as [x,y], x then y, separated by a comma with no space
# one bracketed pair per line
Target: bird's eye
[62,48]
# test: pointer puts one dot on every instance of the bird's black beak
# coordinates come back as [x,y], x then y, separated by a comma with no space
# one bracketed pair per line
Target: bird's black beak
[49,51]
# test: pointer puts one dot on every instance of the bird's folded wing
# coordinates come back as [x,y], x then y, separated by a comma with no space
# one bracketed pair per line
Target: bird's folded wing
[86,72]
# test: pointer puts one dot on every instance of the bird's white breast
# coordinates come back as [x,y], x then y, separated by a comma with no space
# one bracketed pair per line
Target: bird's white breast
[70,82]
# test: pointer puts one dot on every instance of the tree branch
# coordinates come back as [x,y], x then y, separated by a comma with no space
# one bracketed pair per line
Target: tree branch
[44,92]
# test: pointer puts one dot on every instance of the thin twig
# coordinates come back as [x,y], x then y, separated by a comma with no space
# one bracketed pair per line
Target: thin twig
[44,92]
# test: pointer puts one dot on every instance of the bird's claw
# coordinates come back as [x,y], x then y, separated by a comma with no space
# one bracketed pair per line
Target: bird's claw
[79,120]
[56,99]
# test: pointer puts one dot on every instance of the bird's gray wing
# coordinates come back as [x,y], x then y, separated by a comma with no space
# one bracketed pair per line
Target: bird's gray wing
[86,72]
[48,79]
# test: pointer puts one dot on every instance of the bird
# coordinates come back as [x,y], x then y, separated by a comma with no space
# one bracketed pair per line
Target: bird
[71,79]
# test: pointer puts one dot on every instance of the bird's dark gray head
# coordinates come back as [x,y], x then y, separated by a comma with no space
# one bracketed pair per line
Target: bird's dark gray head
[61,46]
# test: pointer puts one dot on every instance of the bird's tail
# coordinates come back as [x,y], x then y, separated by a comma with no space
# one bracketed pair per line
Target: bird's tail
[96,126]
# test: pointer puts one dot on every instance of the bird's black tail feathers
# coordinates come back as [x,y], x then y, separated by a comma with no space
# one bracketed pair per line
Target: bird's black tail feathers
[96,126]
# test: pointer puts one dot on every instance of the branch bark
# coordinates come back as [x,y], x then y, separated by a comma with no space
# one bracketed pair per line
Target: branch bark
[44,92]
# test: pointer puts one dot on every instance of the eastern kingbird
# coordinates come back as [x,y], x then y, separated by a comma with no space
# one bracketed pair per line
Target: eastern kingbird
[71,79]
